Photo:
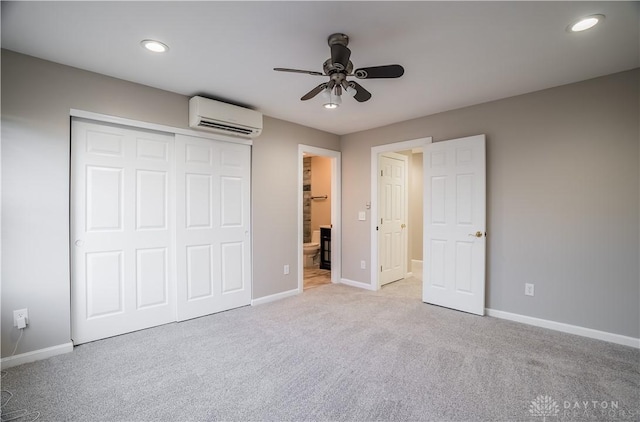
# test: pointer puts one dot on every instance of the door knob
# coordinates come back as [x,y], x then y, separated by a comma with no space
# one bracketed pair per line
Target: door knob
[79,243]
[476,234]
[403,225]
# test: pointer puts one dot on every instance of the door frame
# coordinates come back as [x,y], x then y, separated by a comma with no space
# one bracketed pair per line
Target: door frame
[336,207]
[375,152]
[133,124]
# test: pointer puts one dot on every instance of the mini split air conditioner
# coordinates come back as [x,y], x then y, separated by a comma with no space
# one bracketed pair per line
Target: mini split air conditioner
[224,118]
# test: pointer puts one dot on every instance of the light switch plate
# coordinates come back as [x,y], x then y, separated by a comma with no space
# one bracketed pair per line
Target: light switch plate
[362,216]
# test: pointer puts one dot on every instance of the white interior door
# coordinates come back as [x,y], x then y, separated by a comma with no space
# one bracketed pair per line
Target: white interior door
[122,218]
[213,226]
[392,215]
[455,224]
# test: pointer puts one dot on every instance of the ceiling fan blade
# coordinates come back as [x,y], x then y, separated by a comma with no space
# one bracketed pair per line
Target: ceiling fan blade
[389,71]
[315,91]
[362,94]
[308,72]
[340,55]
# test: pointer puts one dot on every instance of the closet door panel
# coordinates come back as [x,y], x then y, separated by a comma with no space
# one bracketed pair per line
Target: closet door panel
[121,230]
[213,226]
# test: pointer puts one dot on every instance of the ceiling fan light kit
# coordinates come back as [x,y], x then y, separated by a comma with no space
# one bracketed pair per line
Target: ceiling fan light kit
[331,100]
[337,68]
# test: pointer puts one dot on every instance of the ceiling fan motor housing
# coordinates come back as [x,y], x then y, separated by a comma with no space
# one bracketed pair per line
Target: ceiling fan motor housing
[340,39]
[330,69]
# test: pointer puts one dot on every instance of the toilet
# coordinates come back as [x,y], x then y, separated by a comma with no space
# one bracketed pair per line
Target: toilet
[311,250]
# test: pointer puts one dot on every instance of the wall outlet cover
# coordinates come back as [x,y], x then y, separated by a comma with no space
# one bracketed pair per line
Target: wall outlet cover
[20,313]
[528,289]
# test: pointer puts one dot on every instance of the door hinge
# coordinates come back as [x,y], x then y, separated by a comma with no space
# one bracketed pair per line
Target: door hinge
[380,268]
[381,173]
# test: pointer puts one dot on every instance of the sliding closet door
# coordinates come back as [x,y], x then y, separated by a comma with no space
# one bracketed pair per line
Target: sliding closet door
[158,233]
[213,246]
[122,226]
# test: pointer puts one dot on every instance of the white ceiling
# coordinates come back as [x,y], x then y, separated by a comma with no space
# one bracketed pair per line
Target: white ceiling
[455,54]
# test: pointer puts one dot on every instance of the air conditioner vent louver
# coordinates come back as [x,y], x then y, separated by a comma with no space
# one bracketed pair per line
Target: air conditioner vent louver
[227,119]
[225,128]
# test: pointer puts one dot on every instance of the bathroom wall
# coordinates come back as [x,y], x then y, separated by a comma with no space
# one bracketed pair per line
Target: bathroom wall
[320,186]
[306,199]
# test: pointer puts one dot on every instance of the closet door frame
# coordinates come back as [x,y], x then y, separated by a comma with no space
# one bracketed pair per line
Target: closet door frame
[136,125]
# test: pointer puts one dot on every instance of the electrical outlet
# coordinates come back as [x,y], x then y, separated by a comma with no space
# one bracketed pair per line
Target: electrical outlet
[286,269]
[21,313]
[528,289]
[363,265]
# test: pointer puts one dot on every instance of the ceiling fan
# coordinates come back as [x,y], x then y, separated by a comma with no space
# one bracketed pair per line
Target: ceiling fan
[337,68]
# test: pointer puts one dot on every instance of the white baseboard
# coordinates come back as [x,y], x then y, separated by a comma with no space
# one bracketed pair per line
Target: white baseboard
[273,298]
[567,328]
[35,355]
[357,284]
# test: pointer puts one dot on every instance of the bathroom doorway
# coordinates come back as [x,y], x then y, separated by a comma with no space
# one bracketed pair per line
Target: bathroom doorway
[319,226]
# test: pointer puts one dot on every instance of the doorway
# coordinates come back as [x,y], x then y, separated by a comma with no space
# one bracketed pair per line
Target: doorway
[408,239]
[329,234]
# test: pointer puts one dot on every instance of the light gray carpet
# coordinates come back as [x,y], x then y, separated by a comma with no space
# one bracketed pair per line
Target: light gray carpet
[332,353]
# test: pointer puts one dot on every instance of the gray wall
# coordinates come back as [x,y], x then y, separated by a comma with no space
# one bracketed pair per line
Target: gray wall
[36,98]
[562,199]
[563,194]
[275,202]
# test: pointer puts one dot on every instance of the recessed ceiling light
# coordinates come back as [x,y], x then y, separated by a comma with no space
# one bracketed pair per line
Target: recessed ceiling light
[585,23]
[155,46]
